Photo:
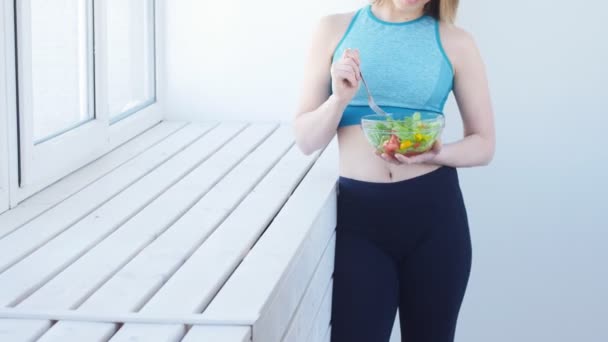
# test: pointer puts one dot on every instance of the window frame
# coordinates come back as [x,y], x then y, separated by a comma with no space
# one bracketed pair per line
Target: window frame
[4,124]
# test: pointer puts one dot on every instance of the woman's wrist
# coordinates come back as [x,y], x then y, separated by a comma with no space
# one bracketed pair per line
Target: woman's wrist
[468,152]
[337,102]
[438,158]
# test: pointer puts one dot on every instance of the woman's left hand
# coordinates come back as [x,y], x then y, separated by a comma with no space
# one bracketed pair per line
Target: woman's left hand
[400,159]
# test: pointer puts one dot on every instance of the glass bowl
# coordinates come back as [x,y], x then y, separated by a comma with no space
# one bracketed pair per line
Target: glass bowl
[408,134]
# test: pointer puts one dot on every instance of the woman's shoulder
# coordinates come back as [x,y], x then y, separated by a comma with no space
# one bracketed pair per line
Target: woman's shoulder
[455,35]
[336,22]
[457,42]
[332,27]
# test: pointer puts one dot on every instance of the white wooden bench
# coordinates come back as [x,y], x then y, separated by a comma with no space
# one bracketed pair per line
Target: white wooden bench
[188,232]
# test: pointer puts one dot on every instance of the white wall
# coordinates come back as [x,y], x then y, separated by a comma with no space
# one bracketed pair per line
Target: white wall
[236,59]
[538,213]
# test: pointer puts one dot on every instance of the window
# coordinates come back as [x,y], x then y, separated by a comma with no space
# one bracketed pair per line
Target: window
[84,80]
[55,45]
[130,46]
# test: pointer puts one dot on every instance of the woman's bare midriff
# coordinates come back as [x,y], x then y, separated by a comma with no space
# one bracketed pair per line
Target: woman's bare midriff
[358,161]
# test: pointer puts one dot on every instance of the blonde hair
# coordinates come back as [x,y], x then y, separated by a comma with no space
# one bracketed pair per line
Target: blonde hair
[444,10]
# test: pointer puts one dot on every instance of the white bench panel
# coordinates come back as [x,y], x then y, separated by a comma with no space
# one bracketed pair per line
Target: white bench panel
[302,321]
[246,294]
[141,252]
[20,280]
[322,317]
[197,281]
[139,280]
[218,334]
[43,228]
[327,335]
[282,303]
[76,181]
[183,188]
[131,287]
[85,276]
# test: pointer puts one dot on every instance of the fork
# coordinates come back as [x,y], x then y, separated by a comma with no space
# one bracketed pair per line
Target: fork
[370,99]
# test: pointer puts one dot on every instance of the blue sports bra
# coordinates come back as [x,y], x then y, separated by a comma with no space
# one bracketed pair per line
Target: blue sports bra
[404,65]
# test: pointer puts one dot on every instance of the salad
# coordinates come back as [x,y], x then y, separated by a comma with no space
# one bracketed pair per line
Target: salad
[408,136]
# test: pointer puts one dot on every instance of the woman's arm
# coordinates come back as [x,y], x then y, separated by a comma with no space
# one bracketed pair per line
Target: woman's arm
[473,98]
[319,113]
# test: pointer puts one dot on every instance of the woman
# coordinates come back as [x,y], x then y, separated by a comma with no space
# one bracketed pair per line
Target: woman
[402,239]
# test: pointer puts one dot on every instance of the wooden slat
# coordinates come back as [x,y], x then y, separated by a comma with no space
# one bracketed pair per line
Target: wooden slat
[306,222]
[16,330]
[71,184]
[43,228]
[197,281]
[20,280]
[161,333]
[322,317]
[80,333]
[303,319]
[79,315]
[218,334]
[133,285]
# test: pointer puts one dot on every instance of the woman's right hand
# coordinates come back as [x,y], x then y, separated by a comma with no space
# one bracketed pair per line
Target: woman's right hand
[346,76]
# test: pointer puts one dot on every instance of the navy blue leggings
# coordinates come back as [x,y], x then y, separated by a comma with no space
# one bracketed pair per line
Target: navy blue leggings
[401,245]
